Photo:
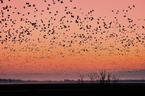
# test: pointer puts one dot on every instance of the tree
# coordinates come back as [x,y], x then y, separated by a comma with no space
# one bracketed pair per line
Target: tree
[81,77]
[102,76]
[115,78]
[93,76]
[107,77]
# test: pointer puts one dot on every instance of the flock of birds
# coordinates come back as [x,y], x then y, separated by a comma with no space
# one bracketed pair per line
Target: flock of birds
[63,29]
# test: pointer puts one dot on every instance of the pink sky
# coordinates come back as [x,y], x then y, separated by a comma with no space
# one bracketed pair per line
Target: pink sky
[23,62]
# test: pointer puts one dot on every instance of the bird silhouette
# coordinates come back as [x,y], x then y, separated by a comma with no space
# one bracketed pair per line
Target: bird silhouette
[54,28]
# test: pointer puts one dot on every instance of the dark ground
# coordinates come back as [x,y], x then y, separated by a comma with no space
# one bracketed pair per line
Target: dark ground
[72,89]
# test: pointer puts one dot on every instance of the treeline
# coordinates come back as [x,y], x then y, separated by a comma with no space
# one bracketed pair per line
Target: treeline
[101,76]
[10,80]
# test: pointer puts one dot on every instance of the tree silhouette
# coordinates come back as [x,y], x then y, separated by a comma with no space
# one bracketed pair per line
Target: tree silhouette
[81,77]
[93,76]
[115,79]
[107,77]
[102,76]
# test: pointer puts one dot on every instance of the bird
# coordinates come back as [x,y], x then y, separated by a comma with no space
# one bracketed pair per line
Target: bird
[49,27]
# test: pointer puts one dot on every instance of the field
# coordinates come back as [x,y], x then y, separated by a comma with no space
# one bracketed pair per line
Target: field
[72,89]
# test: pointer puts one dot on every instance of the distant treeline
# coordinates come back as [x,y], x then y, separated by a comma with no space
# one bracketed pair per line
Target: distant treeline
[10,80]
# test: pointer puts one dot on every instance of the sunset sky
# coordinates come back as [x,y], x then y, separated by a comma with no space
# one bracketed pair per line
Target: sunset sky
[71,36]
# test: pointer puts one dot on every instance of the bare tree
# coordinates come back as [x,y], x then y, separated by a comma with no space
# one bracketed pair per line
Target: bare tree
[93,76]
[102,76]
[81,77]
[115,78]
[109,77]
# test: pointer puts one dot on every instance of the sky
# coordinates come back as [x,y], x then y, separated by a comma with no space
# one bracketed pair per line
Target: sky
[71,36]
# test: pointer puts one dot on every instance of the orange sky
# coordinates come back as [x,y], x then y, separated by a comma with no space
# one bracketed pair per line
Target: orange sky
[41,57]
